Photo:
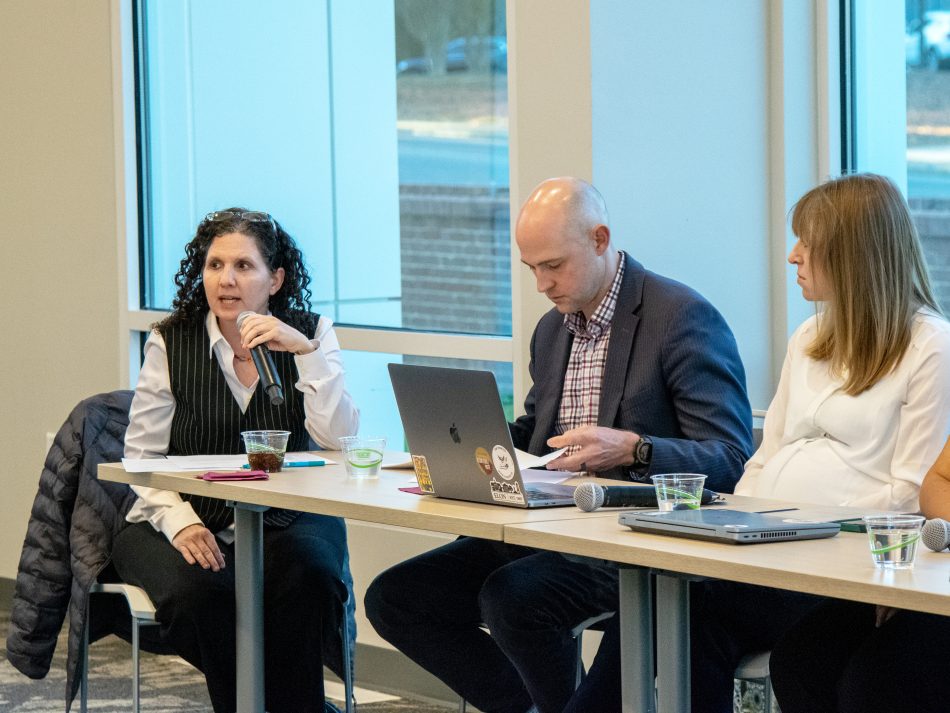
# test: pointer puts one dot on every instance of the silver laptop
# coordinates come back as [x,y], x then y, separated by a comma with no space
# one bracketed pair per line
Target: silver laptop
[732,526]
[459,439]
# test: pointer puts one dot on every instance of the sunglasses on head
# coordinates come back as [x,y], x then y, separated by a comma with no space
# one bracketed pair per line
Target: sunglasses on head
[251,216]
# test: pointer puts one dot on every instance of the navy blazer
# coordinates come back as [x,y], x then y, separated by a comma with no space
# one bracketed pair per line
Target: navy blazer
[673,373]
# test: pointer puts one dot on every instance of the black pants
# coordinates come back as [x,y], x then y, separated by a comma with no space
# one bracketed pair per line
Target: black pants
[836,661]
[430,608]
[303,602]
[727,621]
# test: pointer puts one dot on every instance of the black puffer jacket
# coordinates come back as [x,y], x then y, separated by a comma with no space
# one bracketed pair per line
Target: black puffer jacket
[69,539]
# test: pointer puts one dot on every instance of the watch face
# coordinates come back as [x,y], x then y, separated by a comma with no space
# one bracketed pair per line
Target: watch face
[644,451]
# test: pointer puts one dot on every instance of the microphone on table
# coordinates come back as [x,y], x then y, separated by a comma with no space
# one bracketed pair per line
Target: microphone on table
[936,534]
[266,369]
[590,496]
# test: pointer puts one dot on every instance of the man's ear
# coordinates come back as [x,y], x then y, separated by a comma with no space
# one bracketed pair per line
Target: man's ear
[601,235]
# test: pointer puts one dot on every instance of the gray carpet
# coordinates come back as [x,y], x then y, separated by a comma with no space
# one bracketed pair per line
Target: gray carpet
[169,685]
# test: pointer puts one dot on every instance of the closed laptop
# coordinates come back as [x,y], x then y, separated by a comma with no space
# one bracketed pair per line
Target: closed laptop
[730,526]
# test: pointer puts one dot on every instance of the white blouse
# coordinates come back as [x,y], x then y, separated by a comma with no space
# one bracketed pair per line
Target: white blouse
[822,446]
[329,412]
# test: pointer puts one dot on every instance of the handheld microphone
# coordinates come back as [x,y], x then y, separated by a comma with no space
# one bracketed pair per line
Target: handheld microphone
[590,496]
[936,534]
[266,369]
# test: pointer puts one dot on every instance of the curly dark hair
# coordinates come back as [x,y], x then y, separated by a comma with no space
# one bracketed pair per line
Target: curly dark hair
[291,304]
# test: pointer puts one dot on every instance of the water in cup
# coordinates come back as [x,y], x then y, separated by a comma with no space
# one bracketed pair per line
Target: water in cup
[362,455]
[678,491]
[893,539]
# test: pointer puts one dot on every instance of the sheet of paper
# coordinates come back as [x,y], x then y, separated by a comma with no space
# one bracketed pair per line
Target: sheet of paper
[540,475]
[208,462]
[397,459]
[147,465]
[526,460]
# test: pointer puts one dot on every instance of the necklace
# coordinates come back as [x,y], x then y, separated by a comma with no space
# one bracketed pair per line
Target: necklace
[242,358]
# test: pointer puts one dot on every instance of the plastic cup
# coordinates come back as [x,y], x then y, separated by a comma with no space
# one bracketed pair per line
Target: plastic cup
[265,449]
[678,491]
[362,455]
[893,539]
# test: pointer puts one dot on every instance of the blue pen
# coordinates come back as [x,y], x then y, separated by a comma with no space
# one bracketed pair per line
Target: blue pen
[295,464]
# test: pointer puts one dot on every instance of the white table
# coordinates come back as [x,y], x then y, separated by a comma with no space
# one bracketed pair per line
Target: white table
[325,490]
[838,567]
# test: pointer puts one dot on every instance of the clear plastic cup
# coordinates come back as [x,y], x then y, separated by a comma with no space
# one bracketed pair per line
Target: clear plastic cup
[893,539]
[678,491]
[362,455]
[265,449]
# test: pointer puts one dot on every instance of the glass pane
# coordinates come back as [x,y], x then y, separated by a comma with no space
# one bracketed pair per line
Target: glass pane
[927,45]
[392,179]
[367,380]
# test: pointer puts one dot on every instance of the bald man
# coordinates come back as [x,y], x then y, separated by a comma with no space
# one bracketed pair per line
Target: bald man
[635,374]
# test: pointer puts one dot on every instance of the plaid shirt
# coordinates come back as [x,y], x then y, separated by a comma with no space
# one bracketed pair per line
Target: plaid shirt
[580,399]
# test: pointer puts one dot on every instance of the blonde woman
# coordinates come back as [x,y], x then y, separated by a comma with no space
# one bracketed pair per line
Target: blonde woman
[862,405]
[862,408]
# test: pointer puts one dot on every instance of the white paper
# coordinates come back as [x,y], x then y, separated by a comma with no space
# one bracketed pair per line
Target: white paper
[176,464]
[399,460]
[526,460]
[146,465]
[539,475]
[208,462]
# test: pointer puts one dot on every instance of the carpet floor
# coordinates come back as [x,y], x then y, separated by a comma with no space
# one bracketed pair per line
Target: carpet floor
[169,685]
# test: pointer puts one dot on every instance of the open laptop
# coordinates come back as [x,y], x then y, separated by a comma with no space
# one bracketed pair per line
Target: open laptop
[459,439]
[731,526]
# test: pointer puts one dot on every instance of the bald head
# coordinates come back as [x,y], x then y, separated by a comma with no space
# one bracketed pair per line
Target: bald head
[563,237]
[572,204]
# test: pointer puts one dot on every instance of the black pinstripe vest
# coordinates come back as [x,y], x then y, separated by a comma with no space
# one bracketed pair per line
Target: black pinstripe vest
[208,420]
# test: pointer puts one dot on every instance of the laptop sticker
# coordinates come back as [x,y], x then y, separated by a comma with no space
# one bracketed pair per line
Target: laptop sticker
[483,460]
[421,468]
[503,492]
[504,463]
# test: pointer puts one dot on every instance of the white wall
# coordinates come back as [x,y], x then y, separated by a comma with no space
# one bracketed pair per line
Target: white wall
[59,289]
[684,148]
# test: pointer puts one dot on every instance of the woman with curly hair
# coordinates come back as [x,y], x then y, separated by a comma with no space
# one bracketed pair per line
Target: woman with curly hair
[197,390]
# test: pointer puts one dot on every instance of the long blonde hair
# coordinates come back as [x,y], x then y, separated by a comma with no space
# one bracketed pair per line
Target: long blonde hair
[861,237]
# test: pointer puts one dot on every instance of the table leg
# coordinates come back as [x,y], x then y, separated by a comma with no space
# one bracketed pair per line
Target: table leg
[249,601]
[636,641]
[672,648]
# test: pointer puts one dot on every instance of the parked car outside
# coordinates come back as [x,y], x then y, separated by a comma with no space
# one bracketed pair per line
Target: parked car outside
[462,54]
[935,29]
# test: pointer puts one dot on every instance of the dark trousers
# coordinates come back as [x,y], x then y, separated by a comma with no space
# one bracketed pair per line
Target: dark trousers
[303,602]
[430,608]
[727,621]
[836,661]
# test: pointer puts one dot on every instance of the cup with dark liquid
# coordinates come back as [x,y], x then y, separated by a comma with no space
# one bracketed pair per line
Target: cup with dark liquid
[265,449]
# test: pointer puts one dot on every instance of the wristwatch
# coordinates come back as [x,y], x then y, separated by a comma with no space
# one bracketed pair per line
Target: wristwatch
[643,454]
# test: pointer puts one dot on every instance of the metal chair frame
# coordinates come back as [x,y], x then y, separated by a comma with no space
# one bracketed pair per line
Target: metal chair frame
[577,633]
[143,614]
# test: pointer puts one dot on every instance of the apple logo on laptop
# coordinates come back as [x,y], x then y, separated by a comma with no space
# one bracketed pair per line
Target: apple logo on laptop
[454,432]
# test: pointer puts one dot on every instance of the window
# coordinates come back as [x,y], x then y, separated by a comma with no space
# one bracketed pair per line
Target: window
[378,139]
[927,56]
[901,96]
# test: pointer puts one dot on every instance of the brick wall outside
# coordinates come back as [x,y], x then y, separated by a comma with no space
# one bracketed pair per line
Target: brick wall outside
[932,217]
[456,265]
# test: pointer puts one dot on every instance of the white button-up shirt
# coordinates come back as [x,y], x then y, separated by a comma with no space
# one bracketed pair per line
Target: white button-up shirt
[822,446]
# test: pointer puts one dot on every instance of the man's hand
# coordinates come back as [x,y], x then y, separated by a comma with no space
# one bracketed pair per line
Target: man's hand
[599,449]
[198,546]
